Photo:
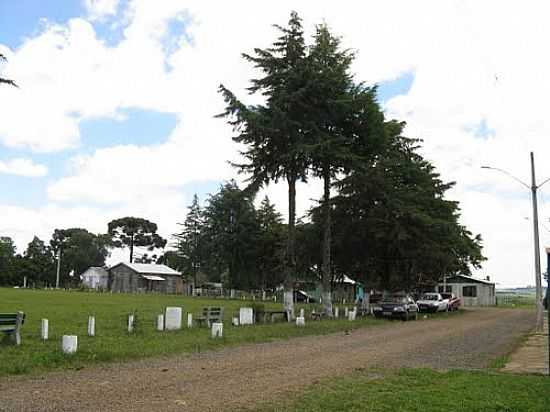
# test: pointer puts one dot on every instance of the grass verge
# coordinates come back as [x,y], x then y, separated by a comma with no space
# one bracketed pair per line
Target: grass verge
[423,390]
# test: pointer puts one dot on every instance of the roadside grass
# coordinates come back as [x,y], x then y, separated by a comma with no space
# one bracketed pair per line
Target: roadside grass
[68,313]
[422,390]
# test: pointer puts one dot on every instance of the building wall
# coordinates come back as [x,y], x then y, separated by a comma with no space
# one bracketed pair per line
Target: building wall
[485,293]
[124,279]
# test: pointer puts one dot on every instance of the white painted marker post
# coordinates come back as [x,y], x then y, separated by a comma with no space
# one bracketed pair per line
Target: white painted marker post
[336,312]
[44,331]
[302,313]
[189,320]
[130,323]
[160,322]
[346,311]
[300,321]
[91,325]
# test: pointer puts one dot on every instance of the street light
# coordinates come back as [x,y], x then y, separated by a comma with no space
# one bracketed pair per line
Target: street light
[533,187]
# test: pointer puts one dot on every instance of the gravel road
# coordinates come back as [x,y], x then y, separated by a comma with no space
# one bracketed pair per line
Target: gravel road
[240,377]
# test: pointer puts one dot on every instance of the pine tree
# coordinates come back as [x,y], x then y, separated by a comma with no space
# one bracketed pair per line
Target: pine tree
[274,133]
[189,241]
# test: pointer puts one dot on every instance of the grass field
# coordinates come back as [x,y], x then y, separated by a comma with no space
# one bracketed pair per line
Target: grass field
[68,313]
[424,390]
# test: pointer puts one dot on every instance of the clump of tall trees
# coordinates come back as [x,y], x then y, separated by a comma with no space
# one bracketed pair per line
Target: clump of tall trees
[318,120]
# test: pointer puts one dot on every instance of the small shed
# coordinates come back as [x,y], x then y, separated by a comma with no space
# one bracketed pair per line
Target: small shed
[95,278]
[471,291]
[145,277]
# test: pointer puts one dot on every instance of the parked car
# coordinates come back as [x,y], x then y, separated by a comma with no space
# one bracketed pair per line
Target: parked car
[432,302]
[396,306]
[454,301]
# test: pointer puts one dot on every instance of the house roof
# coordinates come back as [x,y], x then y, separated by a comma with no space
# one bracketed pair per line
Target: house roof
[466,279]
[149,268]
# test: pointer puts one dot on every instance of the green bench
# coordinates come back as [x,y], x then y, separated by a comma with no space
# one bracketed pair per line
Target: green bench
[210,314]
[10,324]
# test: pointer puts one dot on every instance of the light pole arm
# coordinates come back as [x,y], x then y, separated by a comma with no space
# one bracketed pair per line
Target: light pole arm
[512,176]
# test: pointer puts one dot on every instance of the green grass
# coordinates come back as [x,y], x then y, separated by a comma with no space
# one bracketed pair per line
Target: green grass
[510,300]
[68,313]
[423,390]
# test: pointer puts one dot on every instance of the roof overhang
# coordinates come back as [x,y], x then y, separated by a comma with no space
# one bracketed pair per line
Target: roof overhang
[152,277]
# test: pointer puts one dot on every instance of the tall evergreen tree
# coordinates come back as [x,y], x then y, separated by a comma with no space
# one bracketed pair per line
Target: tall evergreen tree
[230,237]
[270,246]
[393,223]
[274,133]
[189,241]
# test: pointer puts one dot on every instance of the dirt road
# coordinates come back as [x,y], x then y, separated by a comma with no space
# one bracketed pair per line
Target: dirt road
[242,376]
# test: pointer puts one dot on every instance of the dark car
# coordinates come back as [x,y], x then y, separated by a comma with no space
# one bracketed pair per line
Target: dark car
[396,306]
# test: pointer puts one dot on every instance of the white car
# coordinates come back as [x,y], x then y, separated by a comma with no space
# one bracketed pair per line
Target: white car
[432,302]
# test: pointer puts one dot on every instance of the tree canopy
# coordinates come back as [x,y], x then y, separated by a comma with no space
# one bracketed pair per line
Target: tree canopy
[134,232]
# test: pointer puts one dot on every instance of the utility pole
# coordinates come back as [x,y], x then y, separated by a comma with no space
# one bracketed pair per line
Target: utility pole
[58,268]
[548,301]
[533,188]
[538,283]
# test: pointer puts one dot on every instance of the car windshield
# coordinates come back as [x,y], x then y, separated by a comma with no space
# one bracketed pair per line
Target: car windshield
[430,297]
[397,299]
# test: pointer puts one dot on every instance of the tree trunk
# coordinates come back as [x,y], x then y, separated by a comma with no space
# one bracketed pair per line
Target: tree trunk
[326,276]
[290,263]
[132,249]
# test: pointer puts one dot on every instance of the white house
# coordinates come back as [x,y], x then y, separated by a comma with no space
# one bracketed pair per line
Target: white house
[471,291]
[95,278]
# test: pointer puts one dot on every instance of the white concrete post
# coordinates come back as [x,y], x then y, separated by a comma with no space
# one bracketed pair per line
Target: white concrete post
[160,322]
[189,320]
[346,312]
[44,331]
[302,313]
[130,323]
[235,321]
[336,312]
[69,344]
[300,321]
[91,325]
[217,329]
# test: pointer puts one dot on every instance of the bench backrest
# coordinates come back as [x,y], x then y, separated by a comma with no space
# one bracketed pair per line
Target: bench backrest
[11,321]
[213,312]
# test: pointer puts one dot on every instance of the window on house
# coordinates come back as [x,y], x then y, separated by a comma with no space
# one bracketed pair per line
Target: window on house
[469,291]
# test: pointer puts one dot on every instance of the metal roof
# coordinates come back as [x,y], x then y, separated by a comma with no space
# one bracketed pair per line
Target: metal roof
[152,277]
[467,279]
[149,268]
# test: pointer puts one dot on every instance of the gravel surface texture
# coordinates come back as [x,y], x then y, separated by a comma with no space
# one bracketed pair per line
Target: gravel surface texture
[240,377]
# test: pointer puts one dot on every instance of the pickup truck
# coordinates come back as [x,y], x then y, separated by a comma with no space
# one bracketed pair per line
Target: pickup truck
[454,302]
[432,302]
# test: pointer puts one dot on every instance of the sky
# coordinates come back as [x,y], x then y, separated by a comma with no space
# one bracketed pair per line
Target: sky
[115,111]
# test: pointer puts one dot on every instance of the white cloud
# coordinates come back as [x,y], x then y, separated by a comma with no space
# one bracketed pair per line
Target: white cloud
[98,9]
[23,167]
[472,61]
